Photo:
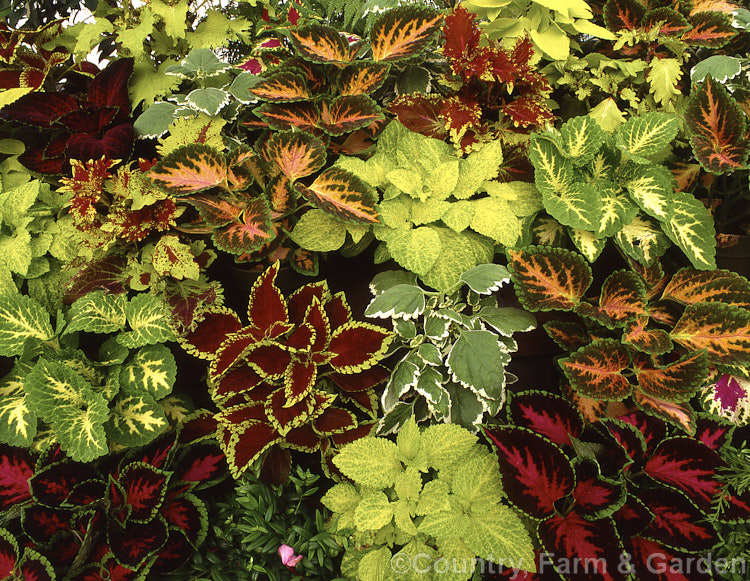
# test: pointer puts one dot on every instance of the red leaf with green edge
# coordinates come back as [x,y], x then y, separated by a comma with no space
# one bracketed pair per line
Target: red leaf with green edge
[367,379]
[189,169]
[677,522]
[596,370]
[420,113]
[461,35]
[651,341]
[548,278]
[623,14]
[175,553]
[681,415]
[216,324]
[321,44]
[366,400]
[334,420]
[357,346]
[41,522]
[713,432]
[710,29]
[199,426]
[346,113]
[653,429]
[317,319]
[669,21]
[283,87]
[158,453]
[689,286]
[303,115]
[144,488]
[230,351]
[250,232]
[723,330]
[8,554]
[632,517]
[188,513]
[594,546]
[52,485]
[284,417]
[296,154]
[246,444]
[403,32]
[89,120]
[627,437]
[134,543]
[678,382]
[716,125]
[343,195]
[87,492]
[568,335]
[362,78]
[623,296]
[16,469]
[546,414]
[687,465]
[337,309]
[110,87]
[303,439]
[215,211]
[268,359]
[596,497]
[299,379]
[266,307]
[302,338]
[301,299]
[39,109]
[107,570]
[653,562]
[34,567]
[536,473]
[106,274]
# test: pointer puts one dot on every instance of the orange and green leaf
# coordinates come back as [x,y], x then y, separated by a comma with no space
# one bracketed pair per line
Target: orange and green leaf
[303,115]
[249,232]
[689,286]
[189,169]
[681,415]
[215,211]
[678,381]
[596,370]
[710,29]
[723,330]
[342,194]
[403,32]
[296,154]
[362,78]
[282,87]
[653,341]
[347,113]
[623,296]
[321,44]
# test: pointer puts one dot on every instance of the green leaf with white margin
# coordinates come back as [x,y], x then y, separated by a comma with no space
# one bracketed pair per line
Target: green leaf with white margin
[17,420]
[430,386]
[403,301]
[500,535]
[241,84]
[691,228]
[97,312]
[430,354]
[494,218]
[370,461]
[135,419]
[403,377]
[721,68]
[587,243]
[152,370]
[458,253]
[373,512]
[390,278]
[663,76]
[319,231]
[147,317]
[415,249]
[486,278]
[652,188]
[647,135]
[375,565]
[477,361]
[21,319]
[155,121]
[642,240]
[507,320]
[208,100]
[445,444]
[617,210]
[466,408]
[581,138]
[80,430]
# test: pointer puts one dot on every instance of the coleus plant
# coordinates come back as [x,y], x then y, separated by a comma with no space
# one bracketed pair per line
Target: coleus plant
[600,185]
[434,494]
[647,336]
[276,378]
[133,515]
[626,495]
[57,393]
[439,216]
[458,343]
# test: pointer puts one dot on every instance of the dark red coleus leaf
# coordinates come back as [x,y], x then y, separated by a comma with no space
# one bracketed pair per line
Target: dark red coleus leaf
[157,454]
[230,352]
[421,114]
[236,381]
[87,492]
[651,561]
[334,420]
[269,359]
[536,473]
[39,109]
[110,87]
[546,414]
[338,311]
[34,567]
[361,381]
[134,543]
[713,432]
[596,497]
[175,553]
[276,465]
[461,34]
[202,464]
[299,379]
[632,518]
[88,120]
[357,346]
[653,429]
[628,437]
[215,325]
[16,468]
[144,487]
[301,299]
[108,570]
[106,274]
[115,143]
[266,309]
[41,522]
[303,439]
[188,513]
[623,14]
[200,426]
[52,485]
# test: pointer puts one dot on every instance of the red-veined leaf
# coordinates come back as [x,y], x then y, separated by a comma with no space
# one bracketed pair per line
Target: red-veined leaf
[420,113]
[144,487]
[654,562]
[653,429]
[41,522]
[713,432]
[401,33]
[362,78]
[175,553]
[632,517]
[282,87]
[723,330]
[304,116]
[678,381]
[623,296]
[52,485]
[596,497]
[689,286]
[250,232]
[188,513]
[8,554]
[296,154]
[39,109]
[710,29]
[547,414]
[321,44]
[596,370]
[215,211]
[536,473]
[343,195]
[681,415]
[116,143]
[346,113]
[215,325]
[16,468]
[357,346]
[106,274]
[651,341]
[677,522]
[548,278]
[623,14]
[461,34]
[189,169]
[527,111]
[134,543]
[628,438]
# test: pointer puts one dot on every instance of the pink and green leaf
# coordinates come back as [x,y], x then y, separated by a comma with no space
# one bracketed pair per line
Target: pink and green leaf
[190,169]
[547,414]
[249,232]
[297,154]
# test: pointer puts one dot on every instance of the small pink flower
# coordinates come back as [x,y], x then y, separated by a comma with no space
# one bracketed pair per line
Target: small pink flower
[288,557]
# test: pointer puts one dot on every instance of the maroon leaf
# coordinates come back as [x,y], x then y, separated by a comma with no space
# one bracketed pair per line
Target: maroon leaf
[115,143]
[175,553]
[536,473]
[144,487]
[52,485]
[360,381]
[230,351]
[596,497]
[187,512]
[269,359]
[202,464]
[653,562]
[546,414]
[215,325]
[713,432]
[39,109]
[357,346]
[334,420]
[41,522]
[301,299]
[16,468]
[632,517]
[627,436]
[136,542]
[106,274]
[110,87]
[653,429]
[677,522]
[8,554]
[299,379]
[266,309]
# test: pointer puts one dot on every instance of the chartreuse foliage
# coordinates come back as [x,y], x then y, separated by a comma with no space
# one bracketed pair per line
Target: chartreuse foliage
[647,336]
[457,345]
[436,493]
[601,185]
[86,404]
[439,214]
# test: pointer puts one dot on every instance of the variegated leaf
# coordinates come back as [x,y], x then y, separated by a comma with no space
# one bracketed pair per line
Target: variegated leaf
[342,194]
[296,154]
[402,33]
[283,87]
[135,419]
[303,115]
[623,296]
[249,232]
[679,414]
[677,382]
[651,187]
[723,330]
[18,422]
[362,78]
[214,210]
[647,135]
[346,113]
[691,228]
[322,44]
[151,370]
[581,138]
[652,341]
[587,243]
[596,370]
[189,169]
[642,240]
[97,312]
[21,319]
[148,320]
[710,29]
[689,286]
[617,210]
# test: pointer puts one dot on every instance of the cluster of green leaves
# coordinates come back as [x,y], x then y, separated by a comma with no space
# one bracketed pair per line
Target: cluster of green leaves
[248,527]
[736,536]
[440,214]
[458,344]
[435,493]
[599,185]
[87,405]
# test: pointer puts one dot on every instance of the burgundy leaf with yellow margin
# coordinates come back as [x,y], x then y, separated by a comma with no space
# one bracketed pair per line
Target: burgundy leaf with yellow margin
[343,195]
[596,370]
[547,414]
[189,169]
[403,32]
[357,346]
[266,307]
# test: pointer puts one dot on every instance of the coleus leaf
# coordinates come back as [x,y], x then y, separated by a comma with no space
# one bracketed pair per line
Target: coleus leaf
[18,422]
[681,415]
[547,414]
[477,361]
[246,443]
[623,14]
[174,553]
[710,29]
[135,419]
[297,154]
[669,21]
[596,370]
[267,309]
[21,319]
[303,115]
[659,567]
[249,232]
[596,497]
[713,432]
[214,210]
[16,470]
[536,473]
[723,330]
[201,465]
[647,135]
[362,78]
[110,87]
[403,32]
[651,188]
[676,382]
[282,87]
[623,296]
[148,320]
[548,278]
[190,169]
[651,341]
[321,44]
[343,195]
[347,113]
[144,487]
[188,513]
[691,228]
[134,543]
[357,346]
[151,370]
[42,522]
[581,138]
[568,335]
[53,484]
[689,286]
[215,325]
[717,128]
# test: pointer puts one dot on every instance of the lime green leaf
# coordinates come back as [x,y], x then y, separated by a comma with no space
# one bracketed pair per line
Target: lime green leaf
[375,565]
[459,215]
[458,253]
[553,42]
[476,361]
[21,319]
[499,535]
[148,321]
[691,227]
[370,462]
[90,35]
[409,182]
[434,498]
[477,483]
[373,512]
[444,526]
[478,167]
[147,84]
[647,135]
[319,231]
[415,249]
[341,498]
[494,218]
[17,420]
[403,517]
[409,483]
[662,77]
[216,30]
[12,95]
[608,115]
[135,420]
[172,14]
[152,370]
[175,259]
[445,444]
[97,312]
